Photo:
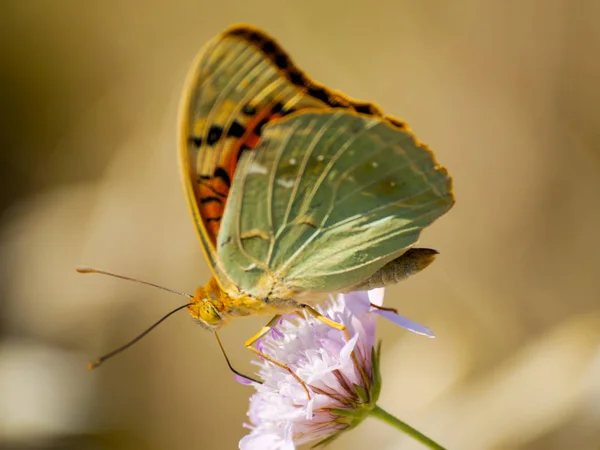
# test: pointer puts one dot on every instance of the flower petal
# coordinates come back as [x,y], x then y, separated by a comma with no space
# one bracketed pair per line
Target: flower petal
[357,302]
[266,441]
[405,323]
[242,380]
[280,413]
[376,296]
[346,352]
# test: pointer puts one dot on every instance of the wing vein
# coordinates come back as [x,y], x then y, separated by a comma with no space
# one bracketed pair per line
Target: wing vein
[319,182]
[271,189]
[366,244]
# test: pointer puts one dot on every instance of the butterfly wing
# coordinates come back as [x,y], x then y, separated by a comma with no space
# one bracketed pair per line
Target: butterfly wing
[325,200]
[239,82]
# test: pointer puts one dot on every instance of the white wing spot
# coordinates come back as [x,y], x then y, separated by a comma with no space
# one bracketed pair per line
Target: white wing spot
[320,158]
[256,168]
[293,161]
[288,184]
[380,221]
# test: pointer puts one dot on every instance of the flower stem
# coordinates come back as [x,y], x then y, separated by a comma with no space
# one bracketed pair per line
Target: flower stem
[386,417]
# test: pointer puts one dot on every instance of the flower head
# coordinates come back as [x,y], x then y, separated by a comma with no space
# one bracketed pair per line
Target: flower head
[343,376]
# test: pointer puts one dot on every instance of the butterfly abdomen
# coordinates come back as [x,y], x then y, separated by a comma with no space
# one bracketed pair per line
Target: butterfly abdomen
[409,263]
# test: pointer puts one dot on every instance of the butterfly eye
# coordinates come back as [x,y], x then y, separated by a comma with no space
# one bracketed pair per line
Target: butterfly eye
[209,315]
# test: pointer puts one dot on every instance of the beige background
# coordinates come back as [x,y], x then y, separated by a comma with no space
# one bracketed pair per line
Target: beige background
[506,93]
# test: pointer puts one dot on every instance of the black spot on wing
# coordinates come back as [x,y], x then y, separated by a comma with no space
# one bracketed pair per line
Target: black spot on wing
[210,199]
[365,108]
[197,141]
[236,130]
[319,93]
[222,174]
[249,110]
[296,77]
[214,134]
[281,60]
[288,69]
[278,108]
[269,47]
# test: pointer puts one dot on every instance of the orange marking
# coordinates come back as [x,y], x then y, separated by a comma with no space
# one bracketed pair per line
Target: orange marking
[216,187]
[252,140]
[213,229]
[213,210]
[211,188]
[250,137]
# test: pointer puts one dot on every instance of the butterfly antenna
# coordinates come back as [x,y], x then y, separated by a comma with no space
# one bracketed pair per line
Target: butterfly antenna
[123,277]
[239,374]
[100,360]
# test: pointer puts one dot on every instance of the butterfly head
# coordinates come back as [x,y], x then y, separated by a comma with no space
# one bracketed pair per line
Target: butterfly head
[207,305]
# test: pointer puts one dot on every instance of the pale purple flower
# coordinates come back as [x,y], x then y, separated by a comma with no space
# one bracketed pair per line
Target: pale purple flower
[281,416]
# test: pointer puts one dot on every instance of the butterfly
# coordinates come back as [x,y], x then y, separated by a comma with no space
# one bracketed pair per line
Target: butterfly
[296,190]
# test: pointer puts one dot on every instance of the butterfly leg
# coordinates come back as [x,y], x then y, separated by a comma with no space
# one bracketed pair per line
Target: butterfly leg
[338,326]
[264,330]
[238,373]
[383,308]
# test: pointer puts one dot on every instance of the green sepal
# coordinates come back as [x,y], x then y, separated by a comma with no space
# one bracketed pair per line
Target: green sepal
[377,381]
[362,393]
[351,413]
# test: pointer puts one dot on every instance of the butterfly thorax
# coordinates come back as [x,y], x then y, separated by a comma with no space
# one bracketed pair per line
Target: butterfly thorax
[213,308]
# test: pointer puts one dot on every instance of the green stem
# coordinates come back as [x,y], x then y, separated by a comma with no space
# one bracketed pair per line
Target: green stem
[386,417]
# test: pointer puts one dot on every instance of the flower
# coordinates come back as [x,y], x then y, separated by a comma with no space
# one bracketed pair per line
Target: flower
[343,376]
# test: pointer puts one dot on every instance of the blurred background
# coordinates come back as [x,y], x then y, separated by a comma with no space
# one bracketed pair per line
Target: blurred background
[507,95]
